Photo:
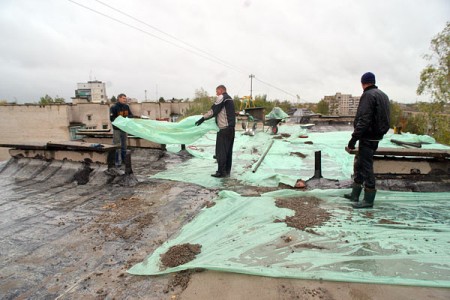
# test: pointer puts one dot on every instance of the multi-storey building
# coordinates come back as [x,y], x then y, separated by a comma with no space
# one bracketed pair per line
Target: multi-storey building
[342,104]
[92,91]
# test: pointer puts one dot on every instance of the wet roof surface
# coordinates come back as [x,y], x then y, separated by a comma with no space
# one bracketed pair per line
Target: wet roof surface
[64,240]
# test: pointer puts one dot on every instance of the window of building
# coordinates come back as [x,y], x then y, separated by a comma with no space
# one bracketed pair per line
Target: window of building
[73,132]
[105,126]
[89,117]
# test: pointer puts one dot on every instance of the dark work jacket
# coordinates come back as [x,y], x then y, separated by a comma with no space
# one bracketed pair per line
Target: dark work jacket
[119,109]
[223,111]
[372,118]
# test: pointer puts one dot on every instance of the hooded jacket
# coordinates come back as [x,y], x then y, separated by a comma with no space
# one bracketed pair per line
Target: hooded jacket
[372,117]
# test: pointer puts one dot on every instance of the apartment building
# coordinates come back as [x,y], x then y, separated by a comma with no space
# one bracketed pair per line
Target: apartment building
[342,104]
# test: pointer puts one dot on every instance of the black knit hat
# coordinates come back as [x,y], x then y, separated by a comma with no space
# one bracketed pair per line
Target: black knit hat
[368,78]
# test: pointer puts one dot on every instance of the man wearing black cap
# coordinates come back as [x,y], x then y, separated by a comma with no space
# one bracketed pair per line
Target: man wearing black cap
[370,124]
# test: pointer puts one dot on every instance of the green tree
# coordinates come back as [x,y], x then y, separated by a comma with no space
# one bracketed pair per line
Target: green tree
[59,100]
[416,124]
[442,135]
[429,120]
[435,81]
[435,78]
[113,99]
[396,113]
[261,101]
[161,99]
[46,100]
[201,103]
[431,111]
[49,100]
[323,107]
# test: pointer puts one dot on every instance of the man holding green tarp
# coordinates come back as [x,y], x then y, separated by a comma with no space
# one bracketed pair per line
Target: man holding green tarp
[120,137]
[224,113]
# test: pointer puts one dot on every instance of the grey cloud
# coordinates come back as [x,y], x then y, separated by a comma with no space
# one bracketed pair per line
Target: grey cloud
[311,48]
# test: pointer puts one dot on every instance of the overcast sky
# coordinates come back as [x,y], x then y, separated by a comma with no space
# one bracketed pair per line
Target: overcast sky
[171,48]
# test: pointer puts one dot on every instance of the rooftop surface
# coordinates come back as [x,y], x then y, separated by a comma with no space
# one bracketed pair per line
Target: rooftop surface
[62,240]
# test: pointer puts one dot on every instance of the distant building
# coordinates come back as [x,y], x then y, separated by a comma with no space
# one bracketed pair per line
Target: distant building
[92,91]
[342,104]
[60,122]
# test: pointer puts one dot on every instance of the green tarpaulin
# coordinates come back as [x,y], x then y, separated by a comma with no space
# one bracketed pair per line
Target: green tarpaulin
[404,240]
[183,132]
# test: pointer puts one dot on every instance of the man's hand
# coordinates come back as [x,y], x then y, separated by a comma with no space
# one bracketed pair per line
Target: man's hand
[200,121]
[352,143]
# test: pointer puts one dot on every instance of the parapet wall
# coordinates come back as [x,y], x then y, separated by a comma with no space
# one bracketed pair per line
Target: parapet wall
[44,123]
[34,123]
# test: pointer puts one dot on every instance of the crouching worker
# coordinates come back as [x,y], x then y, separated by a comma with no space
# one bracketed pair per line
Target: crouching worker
[370,124]
[224,113]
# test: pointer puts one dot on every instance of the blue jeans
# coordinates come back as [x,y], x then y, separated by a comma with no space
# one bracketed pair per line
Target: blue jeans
[363,167]
[120,137]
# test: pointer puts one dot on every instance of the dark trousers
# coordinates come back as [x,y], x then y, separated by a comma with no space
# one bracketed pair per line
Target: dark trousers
[224,150]
[363,168]
[120,138]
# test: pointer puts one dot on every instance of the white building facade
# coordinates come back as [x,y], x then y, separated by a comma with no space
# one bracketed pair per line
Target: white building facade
[92,91]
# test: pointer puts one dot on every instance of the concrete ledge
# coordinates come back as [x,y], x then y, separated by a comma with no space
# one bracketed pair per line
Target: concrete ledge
[425,163]
[434,153]
[133,142]
[70,150]
[105,137]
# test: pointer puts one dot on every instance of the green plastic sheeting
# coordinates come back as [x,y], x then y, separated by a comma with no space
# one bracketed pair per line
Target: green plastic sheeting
[277,113]
[289,159]
[183,132]
[413,138]
[403,240]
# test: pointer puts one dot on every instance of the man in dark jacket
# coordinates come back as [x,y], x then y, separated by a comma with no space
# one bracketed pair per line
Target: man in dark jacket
[223,111]
[370,124]
[120,137]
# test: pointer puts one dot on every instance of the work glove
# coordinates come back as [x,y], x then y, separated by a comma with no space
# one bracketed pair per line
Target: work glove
[352,143]
[200,121]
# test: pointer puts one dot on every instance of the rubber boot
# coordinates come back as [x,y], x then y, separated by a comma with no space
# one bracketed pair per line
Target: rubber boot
[356,191]
[369,198]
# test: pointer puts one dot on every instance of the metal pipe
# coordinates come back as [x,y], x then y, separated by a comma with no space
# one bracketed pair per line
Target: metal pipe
[262,157]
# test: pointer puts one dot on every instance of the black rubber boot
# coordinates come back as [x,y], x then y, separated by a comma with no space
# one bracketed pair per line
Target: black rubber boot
[369,198]
[356,191]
